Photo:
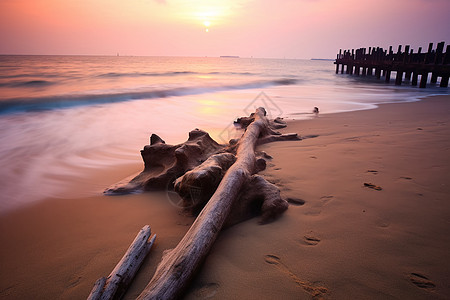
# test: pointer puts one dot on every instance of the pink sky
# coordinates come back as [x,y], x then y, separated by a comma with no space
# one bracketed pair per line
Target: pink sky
[264,28]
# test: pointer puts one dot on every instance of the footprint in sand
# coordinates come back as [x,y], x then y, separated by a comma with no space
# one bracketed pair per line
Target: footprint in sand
[272,259]
[382,223]
[295,201]
[74,281]
[316,208]
[326,199]
[421,281]
[310,240]
[373,186]
[316,290]
[353,139]
[207,290]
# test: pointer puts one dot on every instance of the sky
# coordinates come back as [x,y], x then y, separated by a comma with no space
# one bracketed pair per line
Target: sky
[247,28]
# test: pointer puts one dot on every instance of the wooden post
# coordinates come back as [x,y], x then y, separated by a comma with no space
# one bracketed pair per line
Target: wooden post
[420,58]
[410,55]
[378,72]
[347,58]
[388,75]
[399,77]
[423,80]
[446,59]
[405,56]
[444,81]
[434,77]
[414,78]
[399,53]
[408,75]
[338,57]
[429,53]
[350,65]
[439,56]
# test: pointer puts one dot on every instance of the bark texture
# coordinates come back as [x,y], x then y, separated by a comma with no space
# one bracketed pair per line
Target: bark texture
[116,284]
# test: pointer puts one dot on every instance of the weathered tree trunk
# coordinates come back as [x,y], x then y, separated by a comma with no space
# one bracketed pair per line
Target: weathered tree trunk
[178,265]
[116,284]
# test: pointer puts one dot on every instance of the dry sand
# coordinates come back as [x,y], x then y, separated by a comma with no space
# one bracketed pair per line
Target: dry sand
[347,241]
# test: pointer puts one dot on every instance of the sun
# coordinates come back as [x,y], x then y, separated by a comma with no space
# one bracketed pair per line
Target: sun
[206,13]
[207,24]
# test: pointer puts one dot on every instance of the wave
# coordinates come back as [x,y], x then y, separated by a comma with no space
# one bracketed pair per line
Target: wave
[17,105]
[27,84]
[166,74]
[132,74]
[29,75]
[144,74]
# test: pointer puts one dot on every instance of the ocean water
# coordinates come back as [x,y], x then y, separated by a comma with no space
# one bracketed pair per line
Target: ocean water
[64,117]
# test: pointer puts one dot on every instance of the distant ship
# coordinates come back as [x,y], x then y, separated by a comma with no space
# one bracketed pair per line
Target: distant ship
[229,56]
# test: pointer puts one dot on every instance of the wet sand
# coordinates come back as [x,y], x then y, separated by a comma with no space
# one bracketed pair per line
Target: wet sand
[341,239]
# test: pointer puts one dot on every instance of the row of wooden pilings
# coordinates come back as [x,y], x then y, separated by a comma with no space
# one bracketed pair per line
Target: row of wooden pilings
[407,64]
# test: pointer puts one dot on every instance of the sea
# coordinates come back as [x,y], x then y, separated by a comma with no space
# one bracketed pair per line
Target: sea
[63,118]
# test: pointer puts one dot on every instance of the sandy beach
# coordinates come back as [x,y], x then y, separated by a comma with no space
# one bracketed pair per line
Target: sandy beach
[370,220]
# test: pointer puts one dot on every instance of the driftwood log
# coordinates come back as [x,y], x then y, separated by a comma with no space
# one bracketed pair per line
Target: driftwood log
[195,168]
[232,169]
[116,284]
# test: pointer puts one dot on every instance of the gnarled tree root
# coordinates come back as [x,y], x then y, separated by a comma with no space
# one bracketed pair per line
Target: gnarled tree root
[164,163]
[260,198]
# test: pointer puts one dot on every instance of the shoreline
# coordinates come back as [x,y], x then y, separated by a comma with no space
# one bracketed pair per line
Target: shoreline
[348,238]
